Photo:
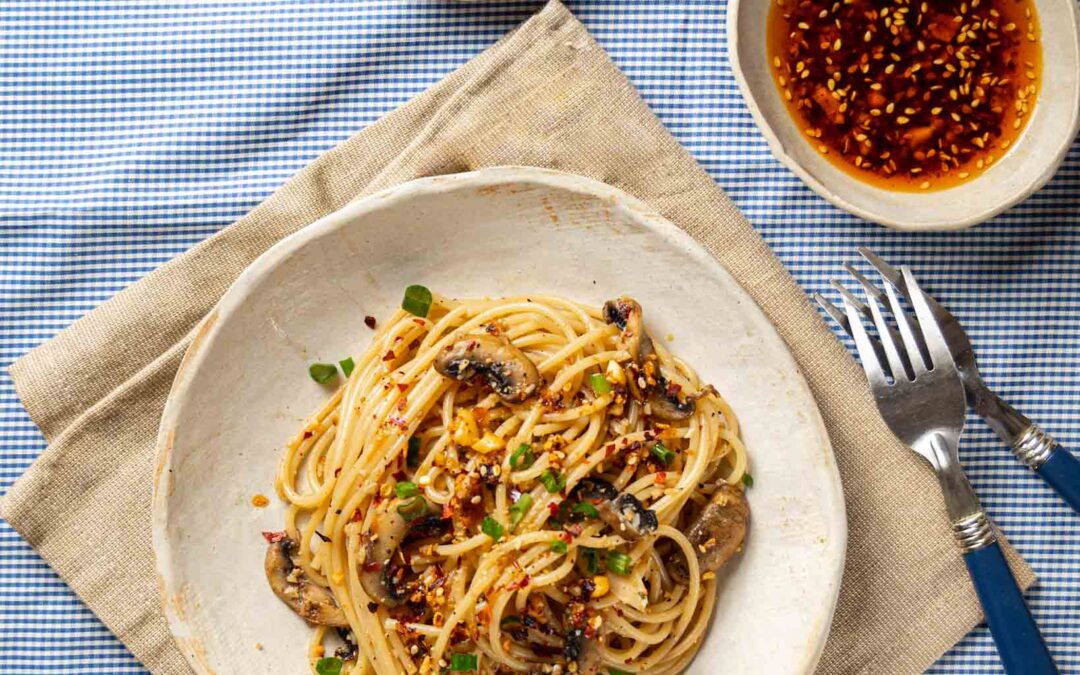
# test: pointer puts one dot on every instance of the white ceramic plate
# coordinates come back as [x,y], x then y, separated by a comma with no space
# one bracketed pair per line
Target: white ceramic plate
[243,389]
[1030,162]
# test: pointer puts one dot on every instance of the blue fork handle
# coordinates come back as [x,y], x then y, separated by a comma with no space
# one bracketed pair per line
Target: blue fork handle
[1019,643]
[1062,472]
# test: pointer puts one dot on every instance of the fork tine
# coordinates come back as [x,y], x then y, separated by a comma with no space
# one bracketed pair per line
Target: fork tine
[931,332]
[865,347]
[850,297]
[834,312]
[868,285]
[911,343]
[896,362]
[887,271]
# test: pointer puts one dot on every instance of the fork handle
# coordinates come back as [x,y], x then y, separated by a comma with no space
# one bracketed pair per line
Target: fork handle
[1019,642]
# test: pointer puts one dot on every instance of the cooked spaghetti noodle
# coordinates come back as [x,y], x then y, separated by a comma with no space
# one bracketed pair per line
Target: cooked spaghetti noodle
[524,484]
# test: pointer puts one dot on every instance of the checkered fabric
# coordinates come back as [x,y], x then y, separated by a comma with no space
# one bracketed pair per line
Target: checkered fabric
[131,131]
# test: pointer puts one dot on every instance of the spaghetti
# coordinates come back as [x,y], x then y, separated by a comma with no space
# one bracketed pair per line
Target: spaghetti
[515,485]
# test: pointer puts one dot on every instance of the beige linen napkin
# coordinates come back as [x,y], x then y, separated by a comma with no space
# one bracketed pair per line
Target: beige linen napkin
[546,95]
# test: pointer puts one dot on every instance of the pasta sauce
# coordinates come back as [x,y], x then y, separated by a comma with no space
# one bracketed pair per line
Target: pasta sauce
[908,94]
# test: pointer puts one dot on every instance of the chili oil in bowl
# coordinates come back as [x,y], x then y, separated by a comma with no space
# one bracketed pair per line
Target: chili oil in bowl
[917,114]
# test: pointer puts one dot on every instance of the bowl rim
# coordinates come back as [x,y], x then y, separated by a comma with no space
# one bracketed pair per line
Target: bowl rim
[183,628]
[777,148]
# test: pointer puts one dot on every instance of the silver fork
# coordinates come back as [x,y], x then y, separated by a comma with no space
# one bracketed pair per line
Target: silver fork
[921,399]
[1029,442]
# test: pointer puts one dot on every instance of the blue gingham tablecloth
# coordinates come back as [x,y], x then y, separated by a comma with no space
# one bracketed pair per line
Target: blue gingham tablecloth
[131,131]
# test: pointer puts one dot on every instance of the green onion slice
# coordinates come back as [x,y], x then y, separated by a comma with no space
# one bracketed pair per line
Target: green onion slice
[747,480]
[619,563]
[412,456]
[616,671]
[460,663]
[413,509]
[510,619]
[417,300]
[553,480]
[330,665]
[322,372]
[585,509]
[592,560]
[522,458]
[492,528]
[347,365]
[559,546]
[406,489]
[518,510]
[662,453]
[599,384]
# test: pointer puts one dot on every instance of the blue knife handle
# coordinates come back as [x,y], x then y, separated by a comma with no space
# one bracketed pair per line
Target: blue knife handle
[1062,472]
[1019,643]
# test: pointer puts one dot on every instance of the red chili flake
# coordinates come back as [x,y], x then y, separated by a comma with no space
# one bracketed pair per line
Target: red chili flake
[575,529]
[447,511]
[520,583]
[308,434]
[356,516]
[609,449]
[566,537]
[554,509]
[273,537]
[419,322]
[397,421]
[337,472]
[399,476]
[390,356]
[403,387]
[369,321]
[661,477]
[414,344]
[373,566]
[480,414]
[673,390]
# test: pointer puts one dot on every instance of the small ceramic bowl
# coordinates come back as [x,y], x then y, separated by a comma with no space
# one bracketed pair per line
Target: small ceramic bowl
[1027,166]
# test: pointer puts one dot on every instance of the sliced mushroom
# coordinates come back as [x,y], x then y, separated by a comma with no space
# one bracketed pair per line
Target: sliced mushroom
[620,510]
[312,602]
[505,367]
[665,399]
[626,314]
[381,573]
[718,531]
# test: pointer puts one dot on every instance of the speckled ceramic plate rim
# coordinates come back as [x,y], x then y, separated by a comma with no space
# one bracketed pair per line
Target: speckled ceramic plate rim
[171,599]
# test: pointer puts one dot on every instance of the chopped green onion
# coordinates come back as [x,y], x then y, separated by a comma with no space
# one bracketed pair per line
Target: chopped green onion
[585,509]
[559,546]
[619,563]
[347,365]
[599,384]
[492,528]
[459,663]
[412,456]
[509,619]
[406,489]
[662,453]
[616,671]
[592,560]
[522,458]
[747,480]
[552,480]
[413,509]
[331,665]
[417,300]
[322,372]
[518,510]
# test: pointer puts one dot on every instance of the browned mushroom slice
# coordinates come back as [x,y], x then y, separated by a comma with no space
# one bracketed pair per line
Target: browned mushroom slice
[395,522]
[312,602]
[718,531]
[505,367]
[665,399]
[622,511]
